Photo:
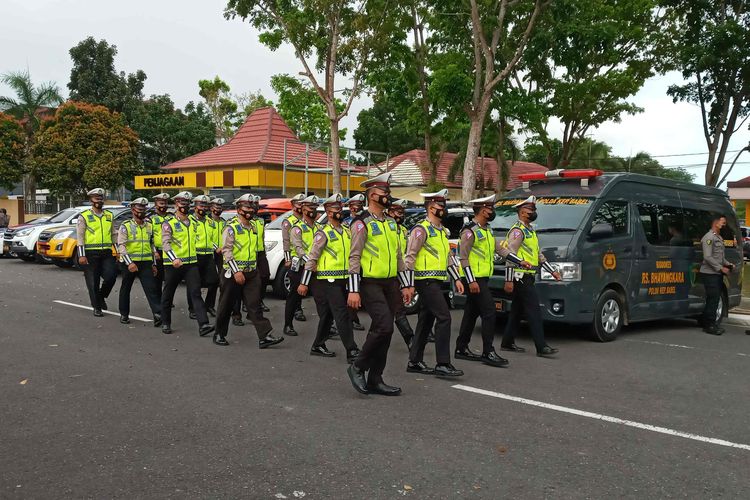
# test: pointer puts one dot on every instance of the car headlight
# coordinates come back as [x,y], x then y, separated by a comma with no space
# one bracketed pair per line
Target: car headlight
[270,245]
[63,234]
[569,271]
[24,232]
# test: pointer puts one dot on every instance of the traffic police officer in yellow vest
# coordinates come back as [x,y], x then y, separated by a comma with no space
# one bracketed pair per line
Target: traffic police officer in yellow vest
[161,201]
[96,237]
[300,239]
[429,262]
[327,273]
[179,241]
[286,229]
[241,277]
[263,268]
[135,245]
[205,246]
[356,205]
[217,207]
[397,211]
[476,252]
[376,267]
[522,241]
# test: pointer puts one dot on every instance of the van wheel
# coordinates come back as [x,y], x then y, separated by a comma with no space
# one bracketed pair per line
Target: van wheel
[281,282]
[723,307]
[608,317]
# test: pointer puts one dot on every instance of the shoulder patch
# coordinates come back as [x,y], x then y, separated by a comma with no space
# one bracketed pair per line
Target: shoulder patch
[516,233]
[359,226]
[468,234]
[320,236]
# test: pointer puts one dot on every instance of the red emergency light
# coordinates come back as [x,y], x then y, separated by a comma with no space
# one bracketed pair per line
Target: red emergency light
[561,173]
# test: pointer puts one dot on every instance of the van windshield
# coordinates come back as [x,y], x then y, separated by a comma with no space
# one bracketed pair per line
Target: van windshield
[556,213]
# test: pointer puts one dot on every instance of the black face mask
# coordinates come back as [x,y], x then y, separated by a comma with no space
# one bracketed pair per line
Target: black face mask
[491,217]
[97,204]
[355,210]
[532,216]
[201,212]
[384,199]
[183,208]
[160,209]
[440,213]
[310,214]
[337,216]
[216,212]
[245,212]
[139,214]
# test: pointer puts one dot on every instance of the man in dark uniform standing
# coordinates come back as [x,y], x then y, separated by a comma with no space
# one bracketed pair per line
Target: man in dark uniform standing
[713,269]
[286,229]
[376,266]
[241,277]
[327,272]
[96,236]
[476,251]
[519,281]
[397,211]
[135,245]
[161,201]
[429,262]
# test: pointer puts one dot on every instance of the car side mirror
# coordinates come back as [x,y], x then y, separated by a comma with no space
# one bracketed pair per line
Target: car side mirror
[73,220]
[599,231]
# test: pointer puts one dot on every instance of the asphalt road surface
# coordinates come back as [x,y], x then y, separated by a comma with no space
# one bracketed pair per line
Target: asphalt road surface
[95,409]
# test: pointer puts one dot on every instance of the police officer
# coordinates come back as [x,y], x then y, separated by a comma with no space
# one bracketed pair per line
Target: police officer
[286,229]
[96,236]
[205,246]
[429,262]
[522,241]
[397,211]
[476,251]
[300,239]
[135,245]
[161,201]
[241,277]
[179,241]
[376,267]
[356,205]
[217,207]
[263,268]
[327,267]
[713,269]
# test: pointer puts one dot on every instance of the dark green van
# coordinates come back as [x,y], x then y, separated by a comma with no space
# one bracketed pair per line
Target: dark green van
[627,246]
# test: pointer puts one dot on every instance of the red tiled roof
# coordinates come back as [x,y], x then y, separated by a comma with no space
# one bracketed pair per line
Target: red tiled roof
[742,183]
[486,168]
[260,140]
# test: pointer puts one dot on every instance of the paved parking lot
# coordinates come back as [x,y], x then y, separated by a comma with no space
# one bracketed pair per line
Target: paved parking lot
[92,408]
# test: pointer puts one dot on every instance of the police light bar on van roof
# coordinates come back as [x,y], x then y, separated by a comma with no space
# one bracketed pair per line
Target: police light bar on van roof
[583,174]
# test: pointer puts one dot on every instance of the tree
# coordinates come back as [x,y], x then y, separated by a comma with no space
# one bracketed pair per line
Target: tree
[220,106]
[29,106]
[247,103]
[709,43]
[643,163]
[384,127]
[84,146]
[93,78]
[167,134]
[12,151]
[606,57]
[329,37]
[300,106]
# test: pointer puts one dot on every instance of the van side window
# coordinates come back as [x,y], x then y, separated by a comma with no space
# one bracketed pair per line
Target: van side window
[664,225]
[697,223]
[614,213]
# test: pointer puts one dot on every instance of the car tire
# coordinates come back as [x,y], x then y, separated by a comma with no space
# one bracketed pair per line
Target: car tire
[43,259]
[27,257]
[281,282]
[609,315]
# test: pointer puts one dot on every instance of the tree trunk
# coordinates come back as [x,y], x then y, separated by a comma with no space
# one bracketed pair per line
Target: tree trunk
[472,152]
[502,166]
[335,155]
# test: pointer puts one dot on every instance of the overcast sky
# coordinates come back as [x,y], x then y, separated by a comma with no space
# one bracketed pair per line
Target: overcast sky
[178,43]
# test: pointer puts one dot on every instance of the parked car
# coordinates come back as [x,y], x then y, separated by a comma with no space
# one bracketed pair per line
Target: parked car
[22,240]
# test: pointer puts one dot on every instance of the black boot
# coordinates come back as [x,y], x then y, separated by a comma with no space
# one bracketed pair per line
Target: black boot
[356,325]
[206,329]
[447,370]
[219,340]
[357,377]
[192,315]
[546,351]
[269,340]
[264,307]
[380,387]
[237,321]
[299,315]
[290,331]
[166,329]
[405,329]
[466,353]
[493,359]
[322,350]
[124,319]
[211,311]
[352,355]
[157,320]
[98,312]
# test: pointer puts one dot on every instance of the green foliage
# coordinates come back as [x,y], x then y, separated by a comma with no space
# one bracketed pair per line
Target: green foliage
[29,99]
[93,78]
[220,106]
[168,134]
[12,151]
[300,106]
[84,146]
[247,103]
[385,127]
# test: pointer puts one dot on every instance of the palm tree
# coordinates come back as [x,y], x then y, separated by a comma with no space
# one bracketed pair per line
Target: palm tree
[26,107]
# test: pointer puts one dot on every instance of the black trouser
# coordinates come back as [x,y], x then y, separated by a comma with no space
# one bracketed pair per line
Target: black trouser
[207,271]
[478,304]
[210,301]
[330,301]
[250,291]
[265,274]
[712,283]
[293,300]
[172,278]
[100,275]
[433,309]
[159,278]
[525,299]
[146,276]
[381,297]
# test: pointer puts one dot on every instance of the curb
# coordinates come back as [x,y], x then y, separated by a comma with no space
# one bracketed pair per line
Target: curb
[738,320]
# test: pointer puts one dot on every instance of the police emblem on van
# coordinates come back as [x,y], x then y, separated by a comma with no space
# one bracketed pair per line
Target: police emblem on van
[609,262]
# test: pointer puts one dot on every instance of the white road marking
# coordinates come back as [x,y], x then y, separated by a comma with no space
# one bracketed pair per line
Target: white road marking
[680,346]
[79,306]
[605,418]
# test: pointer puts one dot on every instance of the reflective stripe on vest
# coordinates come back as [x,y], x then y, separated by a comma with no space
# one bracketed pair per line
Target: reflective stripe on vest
[98,234]
[307,235]
[482,255]
[245,249]
[260,227]
[334,260]
[204,234]
[138,244]
[380,253]
[432,258]
[529,249]
[183,241]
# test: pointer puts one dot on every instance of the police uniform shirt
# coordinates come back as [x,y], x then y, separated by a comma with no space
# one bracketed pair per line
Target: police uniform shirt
[296,241]
[81,228]
[417,237]
[166,233]
[359,237]
[320,241]
[122,238]
[515,240]
[286,228]
[467,237]
[227,249]
[713,253]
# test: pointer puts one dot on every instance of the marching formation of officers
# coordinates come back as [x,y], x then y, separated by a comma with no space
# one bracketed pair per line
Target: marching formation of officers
[367,261]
